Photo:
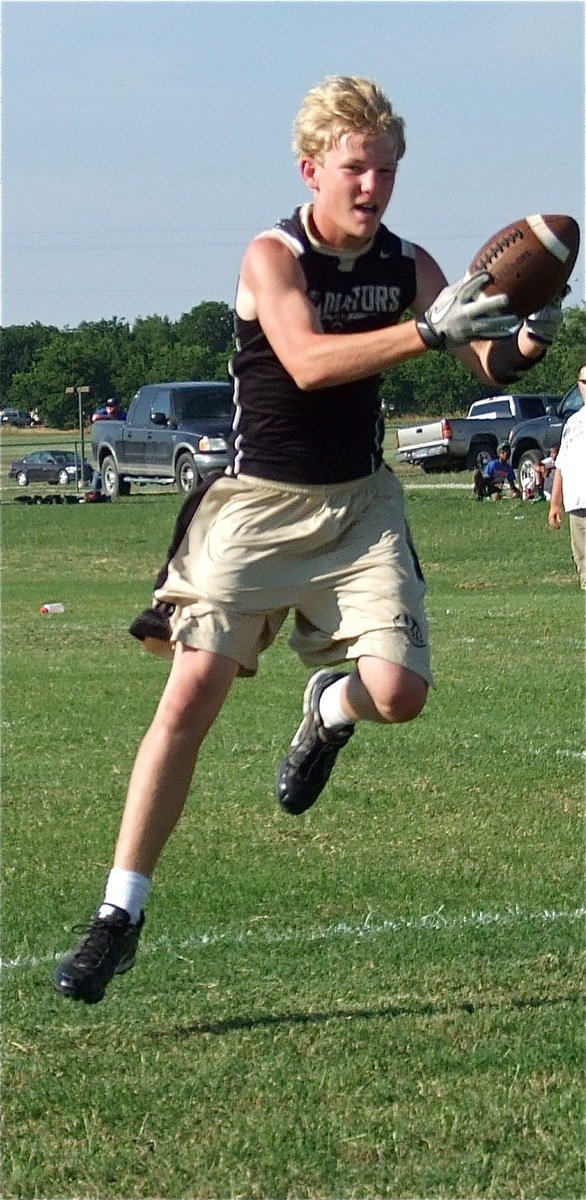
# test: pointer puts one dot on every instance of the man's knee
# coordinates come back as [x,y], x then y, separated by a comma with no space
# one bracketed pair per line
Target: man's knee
[399,696]
[196,689]
[403,705]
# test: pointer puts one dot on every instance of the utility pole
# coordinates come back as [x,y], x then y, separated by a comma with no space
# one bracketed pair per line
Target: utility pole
[79,391]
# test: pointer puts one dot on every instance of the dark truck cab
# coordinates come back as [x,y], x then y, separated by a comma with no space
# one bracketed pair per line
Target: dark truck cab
[531,440]
[173,433]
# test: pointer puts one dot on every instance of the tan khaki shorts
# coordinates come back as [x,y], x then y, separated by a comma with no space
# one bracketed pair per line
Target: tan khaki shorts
[337,555]
[577,520]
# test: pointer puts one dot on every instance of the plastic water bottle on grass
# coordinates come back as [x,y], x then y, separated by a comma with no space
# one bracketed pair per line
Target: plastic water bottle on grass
[50,609]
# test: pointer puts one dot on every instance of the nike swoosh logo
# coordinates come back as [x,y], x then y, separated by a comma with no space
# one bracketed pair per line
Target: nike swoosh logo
[437,311]
[384,254]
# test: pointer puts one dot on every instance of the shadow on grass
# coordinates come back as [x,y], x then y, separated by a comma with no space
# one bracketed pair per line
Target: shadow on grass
[230,1024]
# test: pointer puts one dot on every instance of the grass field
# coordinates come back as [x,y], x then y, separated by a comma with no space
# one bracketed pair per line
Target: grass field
[15,443]
[379,999]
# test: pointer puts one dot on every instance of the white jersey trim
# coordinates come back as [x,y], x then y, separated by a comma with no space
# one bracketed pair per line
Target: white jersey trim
[280,235]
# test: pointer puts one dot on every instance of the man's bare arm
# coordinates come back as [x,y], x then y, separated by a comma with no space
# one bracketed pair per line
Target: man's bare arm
[273,289]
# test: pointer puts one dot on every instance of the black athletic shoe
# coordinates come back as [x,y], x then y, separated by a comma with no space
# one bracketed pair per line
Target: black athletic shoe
[108,948]
[305,771]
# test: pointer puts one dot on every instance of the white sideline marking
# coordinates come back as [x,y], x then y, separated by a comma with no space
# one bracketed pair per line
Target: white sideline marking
[578,754]
[412,486]
[437,921]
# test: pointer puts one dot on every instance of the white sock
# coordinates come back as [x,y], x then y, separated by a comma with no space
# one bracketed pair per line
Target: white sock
[331,706]
[128,890]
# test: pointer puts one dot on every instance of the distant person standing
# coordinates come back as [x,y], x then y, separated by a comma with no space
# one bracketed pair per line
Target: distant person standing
[111,411]
[569,484]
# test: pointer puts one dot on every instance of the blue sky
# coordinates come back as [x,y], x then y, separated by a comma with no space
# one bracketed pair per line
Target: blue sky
[144,144]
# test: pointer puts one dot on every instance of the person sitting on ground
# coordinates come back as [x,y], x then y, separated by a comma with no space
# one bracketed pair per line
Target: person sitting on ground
[497,472]
[544,473]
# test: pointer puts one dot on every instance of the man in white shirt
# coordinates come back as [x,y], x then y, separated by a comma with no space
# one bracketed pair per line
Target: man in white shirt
[569,484]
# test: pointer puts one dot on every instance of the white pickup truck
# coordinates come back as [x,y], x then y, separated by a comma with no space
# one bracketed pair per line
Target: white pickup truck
[463,443]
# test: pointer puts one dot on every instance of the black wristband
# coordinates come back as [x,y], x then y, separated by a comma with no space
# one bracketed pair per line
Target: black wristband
[541,341]
[433,340]
[506,363]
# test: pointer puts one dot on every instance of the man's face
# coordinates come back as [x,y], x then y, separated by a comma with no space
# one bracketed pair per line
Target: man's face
[352,184]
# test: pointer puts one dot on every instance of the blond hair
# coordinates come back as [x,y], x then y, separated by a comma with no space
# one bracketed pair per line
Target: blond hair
[344,104]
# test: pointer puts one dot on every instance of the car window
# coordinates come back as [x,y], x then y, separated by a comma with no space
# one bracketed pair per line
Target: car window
[491,408]
[161,402]
[534,406]
[142,411]
[196,403]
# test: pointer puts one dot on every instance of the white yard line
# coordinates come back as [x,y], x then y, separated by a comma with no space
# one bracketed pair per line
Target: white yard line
[435,922]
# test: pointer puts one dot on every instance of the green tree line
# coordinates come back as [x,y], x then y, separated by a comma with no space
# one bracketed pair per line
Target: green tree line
[113,358]
[435,385]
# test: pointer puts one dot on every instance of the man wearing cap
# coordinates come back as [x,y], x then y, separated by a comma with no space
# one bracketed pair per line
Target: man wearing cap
[497,472]
[110,412]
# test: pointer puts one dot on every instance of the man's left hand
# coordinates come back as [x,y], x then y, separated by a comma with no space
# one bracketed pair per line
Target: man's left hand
[543,326]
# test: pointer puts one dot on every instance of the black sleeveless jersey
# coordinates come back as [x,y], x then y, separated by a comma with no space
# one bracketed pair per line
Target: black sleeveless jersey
[332,434]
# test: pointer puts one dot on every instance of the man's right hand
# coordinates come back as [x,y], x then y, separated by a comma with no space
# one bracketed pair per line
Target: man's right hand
[462,314]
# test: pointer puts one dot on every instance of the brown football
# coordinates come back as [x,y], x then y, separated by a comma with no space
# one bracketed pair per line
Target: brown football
[530,260]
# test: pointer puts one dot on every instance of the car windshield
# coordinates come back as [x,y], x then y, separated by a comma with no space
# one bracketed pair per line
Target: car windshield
[191,404]
[65,457]
[572,402]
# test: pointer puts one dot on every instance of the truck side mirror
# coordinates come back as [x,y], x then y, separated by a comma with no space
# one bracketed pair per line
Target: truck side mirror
[158,418]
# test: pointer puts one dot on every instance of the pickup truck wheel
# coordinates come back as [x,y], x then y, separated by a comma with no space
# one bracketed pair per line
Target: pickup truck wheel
[186,476]
[111,482]
[433,468]
[479,456]
[526,468]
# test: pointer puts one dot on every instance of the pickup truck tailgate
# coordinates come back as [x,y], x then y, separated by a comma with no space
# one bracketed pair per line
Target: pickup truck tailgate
[419,436]
[428,440]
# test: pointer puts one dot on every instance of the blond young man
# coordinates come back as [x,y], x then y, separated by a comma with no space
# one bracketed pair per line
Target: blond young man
[307,518]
